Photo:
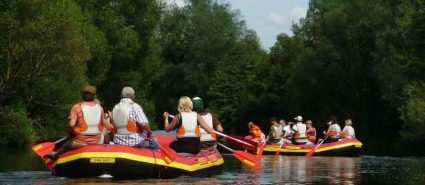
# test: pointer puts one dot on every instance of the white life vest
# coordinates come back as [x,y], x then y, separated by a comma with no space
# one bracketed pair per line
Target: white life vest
[92,116]
[189,125]
[120,117]
[348,132]
[288,131]
[205,136]
[277,129]
[335,131]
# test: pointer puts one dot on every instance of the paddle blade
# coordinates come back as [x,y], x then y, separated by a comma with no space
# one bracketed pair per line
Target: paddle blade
[247,158]
[311,152]
[43,149]
[277,151]
[260,151]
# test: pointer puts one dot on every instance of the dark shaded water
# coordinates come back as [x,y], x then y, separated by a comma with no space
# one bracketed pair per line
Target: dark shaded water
[23,167]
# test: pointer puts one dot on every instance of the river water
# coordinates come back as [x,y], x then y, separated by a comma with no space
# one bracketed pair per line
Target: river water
[23,167]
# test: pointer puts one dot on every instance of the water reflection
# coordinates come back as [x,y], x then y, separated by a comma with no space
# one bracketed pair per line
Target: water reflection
[24,168]
[328,170]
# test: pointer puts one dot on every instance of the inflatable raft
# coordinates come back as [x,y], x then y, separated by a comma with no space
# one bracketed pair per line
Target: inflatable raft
[343,147]
[128,162]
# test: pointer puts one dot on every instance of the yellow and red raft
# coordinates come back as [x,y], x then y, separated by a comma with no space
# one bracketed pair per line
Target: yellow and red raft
[343,147]
[127,162]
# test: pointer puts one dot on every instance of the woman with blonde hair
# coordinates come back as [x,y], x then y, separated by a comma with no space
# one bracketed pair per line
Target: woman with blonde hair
[348,131]
[188,132]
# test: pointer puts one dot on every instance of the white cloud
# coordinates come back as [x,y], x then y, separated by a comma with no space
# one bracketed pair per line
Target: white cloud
[297,13]
[278,19]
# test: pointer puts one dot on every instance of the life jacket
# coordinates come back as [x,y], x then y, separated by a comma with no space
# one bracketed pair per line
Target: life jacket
[277,130]
[121,118]
[346,132]
[189,125]
[89,120]
[311,135]
[300,134]
[335,131]
[256,133]
[205,136]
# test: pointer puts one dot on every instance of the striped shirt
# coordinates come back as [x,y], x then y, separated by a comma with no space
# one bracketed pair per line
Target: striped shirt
[136,114]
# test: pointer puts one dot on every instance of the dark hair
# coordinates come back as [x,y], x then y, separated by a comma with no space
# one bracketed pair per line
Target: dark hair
[273,119]
[88,96]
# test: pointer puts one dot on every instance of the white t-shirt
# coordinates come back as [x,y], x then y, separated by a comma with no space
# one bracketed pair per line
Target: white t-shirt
[288,131]
[350,131]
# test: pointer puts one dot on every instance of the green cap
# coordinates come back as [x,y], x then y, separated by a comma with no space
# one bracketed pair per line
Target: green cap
[198,104]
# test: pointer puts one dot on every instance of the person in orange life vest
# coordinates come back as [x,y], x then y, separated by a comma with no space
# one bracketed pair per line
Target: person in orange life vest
[333,133]
[255,133]
[348,131]
[311,132]
[131,124]
[87,125]
[208,141]
[187,124]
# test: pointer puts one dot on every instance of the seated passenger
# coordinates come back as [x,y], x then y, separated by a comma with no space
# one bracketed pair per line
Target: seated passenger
[348,131]
[311,132]
[287,131]
[333,133]
[208,140]
[131,124]
[276,131]
[87,124]
[188,132]
[255,133]
[300,131]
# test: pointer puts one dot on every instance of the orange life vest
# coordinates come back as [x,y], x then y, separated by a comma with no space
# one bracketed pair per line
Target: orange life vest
[205,136]
[123,124]
[88,127]
[346,135]
[255,132]
[189,125]
[311,136]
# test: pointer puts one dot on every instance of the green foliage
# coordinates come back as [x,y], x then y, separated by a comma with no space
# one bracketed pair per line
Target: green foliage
[16,128]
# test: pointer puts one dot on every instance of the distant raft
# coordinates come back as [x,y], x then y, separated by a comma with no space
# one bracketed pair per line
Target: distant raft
[343,147]
[121,161]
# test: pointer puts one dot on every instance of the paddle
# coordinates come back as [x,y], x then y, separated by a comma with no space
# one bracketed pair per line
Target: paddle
[247,159]
[226,136]
[170,156]
[43,149]
[281,143]
[311,152]
[235,139]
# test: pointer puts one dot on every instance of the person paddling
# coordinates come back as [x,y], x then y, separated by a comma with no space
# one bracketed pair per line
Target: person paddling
[300,131]
[287,131]
[188,132]
[87,123]
[276,131]
[208,140]
[333,133]
[348,131]
[255,133]
[131,123]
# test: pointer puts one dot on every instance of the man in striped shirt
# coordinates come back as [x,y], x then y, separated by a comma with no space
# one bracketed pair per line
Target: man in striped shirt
[130,121]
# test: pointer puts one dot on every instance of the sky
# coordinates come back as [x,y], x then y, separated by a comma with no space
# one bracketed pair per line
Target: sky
[268,18]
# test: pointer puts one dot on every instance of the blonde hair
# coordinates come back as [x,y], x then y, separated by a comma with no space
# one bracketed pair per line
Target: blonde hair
[309,122]
[348,122]
[185,104]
